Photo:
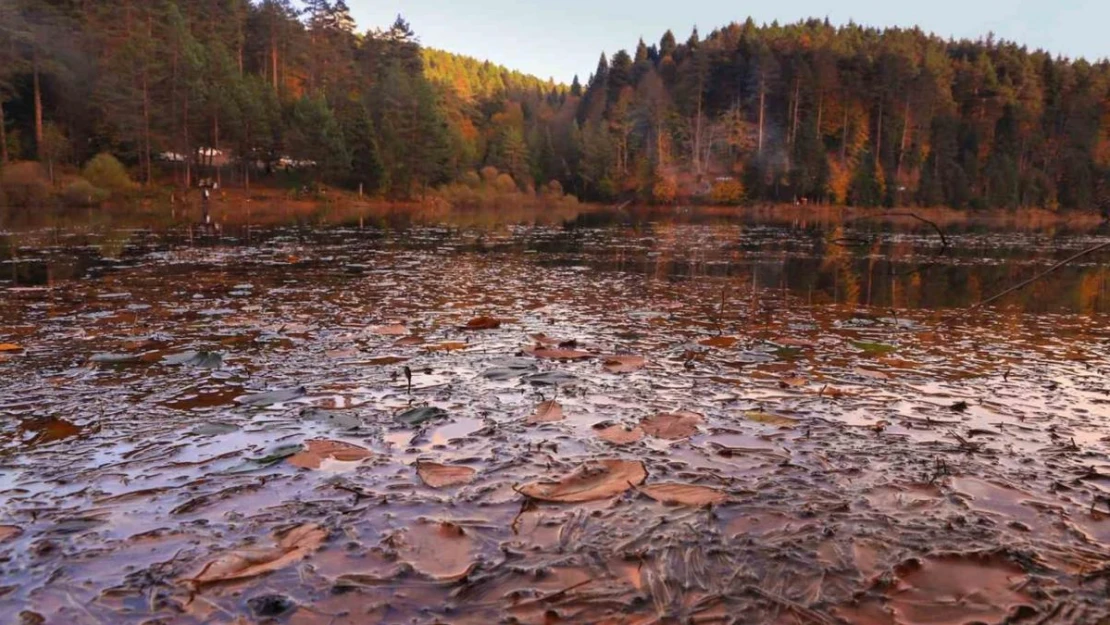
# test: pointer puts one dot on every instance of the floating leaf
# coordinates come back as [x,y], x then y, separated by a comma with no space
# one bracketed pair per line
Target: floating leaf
[318,451]
[871,374]
[560,354]
[874,349]
[449,346]
[277,454]
[509,369]
[594,480]
[395,329]
[720,342]
[9,347]
[620,435]
[8,532]
[671,426]
[623,364]
[439,549]
[114,359]
[483,323]
[338,419]
[409,341]
[684,494]
[417,416]
[214,429]
[546,412]
[293,547]
[443,475]
[551,378]
[204,360]
[270,398]
[793,382]
[544,340]
[768,418]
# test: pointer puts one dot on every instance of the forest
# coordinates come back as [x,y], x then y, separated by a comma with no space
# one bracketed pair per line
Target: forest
[800,113]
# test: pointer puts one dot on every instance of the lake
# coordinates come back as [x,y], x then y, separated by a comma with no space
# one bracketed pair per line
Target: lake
[606,417]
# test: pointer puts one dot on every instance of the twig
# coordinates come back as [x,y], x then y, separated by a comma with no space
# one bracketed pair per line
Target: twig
[1052,269]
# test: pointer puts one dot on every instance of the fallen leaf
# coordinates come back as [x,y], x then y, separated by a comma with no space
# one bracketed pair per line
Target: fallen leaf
[720,342]
[293,547]
[546,412]
[319,450]
[623,364]
[874,349]
[438,475]
[768,418]
[620,435]
[395,329]
[439,549]
[272,397]
[8,532]
[560,354]
[408,341]
[483,323]
[594,480]
[871,374]
[671,426]
[423,414]
[449,346]
[544,340]
[10,347]
[793,382]
[683,494]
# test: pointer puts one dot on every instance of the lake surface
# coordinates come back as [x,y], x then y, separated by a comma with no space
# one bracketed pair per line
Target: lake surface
[614,418]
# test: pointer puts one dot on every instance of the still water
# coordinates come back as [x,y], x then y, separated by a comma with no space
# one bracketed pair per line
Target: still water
[609,418]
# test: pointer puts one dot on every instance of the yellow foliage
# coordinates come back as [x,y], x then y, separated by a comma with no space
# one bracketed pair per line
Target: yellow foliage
[840,179]
[665,190]
[729,191]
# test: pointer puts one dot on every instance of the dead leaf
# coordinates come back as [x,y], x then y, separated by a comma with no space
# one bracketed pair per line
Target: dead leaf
[720,342]
[560,354]
[793,382]
[318,451]
[449,346]
[594,480]
[871,373]
[438,475]
[390,330]
[293,547]
[543,340]
[684,494]
[8,532]
[623,364]
[620,435]
[438,549]
[672,426]
[768,418]
[409,341]
[483,323]
[546,412]
[9,347]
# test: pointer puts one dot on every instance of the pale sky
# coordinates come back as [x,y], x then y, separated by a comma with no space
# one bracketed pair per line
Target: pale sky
[561,38]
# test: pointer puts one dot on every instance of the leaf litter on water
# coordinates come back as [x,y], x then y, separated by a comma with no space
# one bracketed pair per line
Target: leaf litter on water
[292,547]
[599,479]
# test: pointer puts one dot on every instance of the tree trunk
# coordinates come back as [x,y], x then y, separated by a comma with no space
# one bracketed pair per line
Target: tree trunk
[3,136]
[820,111]
[902,145]
[762,102]
[216,147]
[844,135]
[38,104]
[879,134]
[274,56]
[794,111]
[188,154]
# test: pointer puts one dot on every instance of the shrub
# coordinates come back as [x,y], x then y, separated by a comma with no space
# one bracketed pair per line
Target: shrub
[25,184]
[505,184]
[105,172]
[471,179]
[727,192]
[554,188]
[489,175]
[81,193]
[665,190]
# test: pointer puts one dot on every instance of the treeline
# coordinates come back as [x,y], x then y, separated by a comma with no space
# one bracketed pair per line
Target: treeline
[806,112]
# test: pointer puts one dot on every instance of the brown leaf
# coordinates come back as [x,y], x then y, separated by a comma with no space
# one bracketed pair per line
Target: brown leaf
[438,475]
[8,532]
[683,494]
[871,373]
[293,547]
[408,341]
[768,418]
[438,549]
[449,346]
[560,354]
[594,480]
[546,412]
[9,347]
[318,451]
[620,435]
[543,340]
[623,364]
[483,323]
[720,342]
[390,330]
[672,426]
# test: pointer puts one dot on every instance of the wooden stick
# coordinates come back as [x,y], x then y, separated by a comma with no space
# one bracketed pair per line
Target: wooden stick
[1044,273]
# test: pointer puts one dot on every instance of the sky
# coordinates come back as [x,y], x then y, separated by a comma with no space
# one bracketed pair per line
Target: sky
[561,38]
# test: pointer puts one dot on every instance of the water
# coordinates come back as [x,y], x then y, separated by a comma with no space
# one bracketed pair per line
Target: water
[876,452]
